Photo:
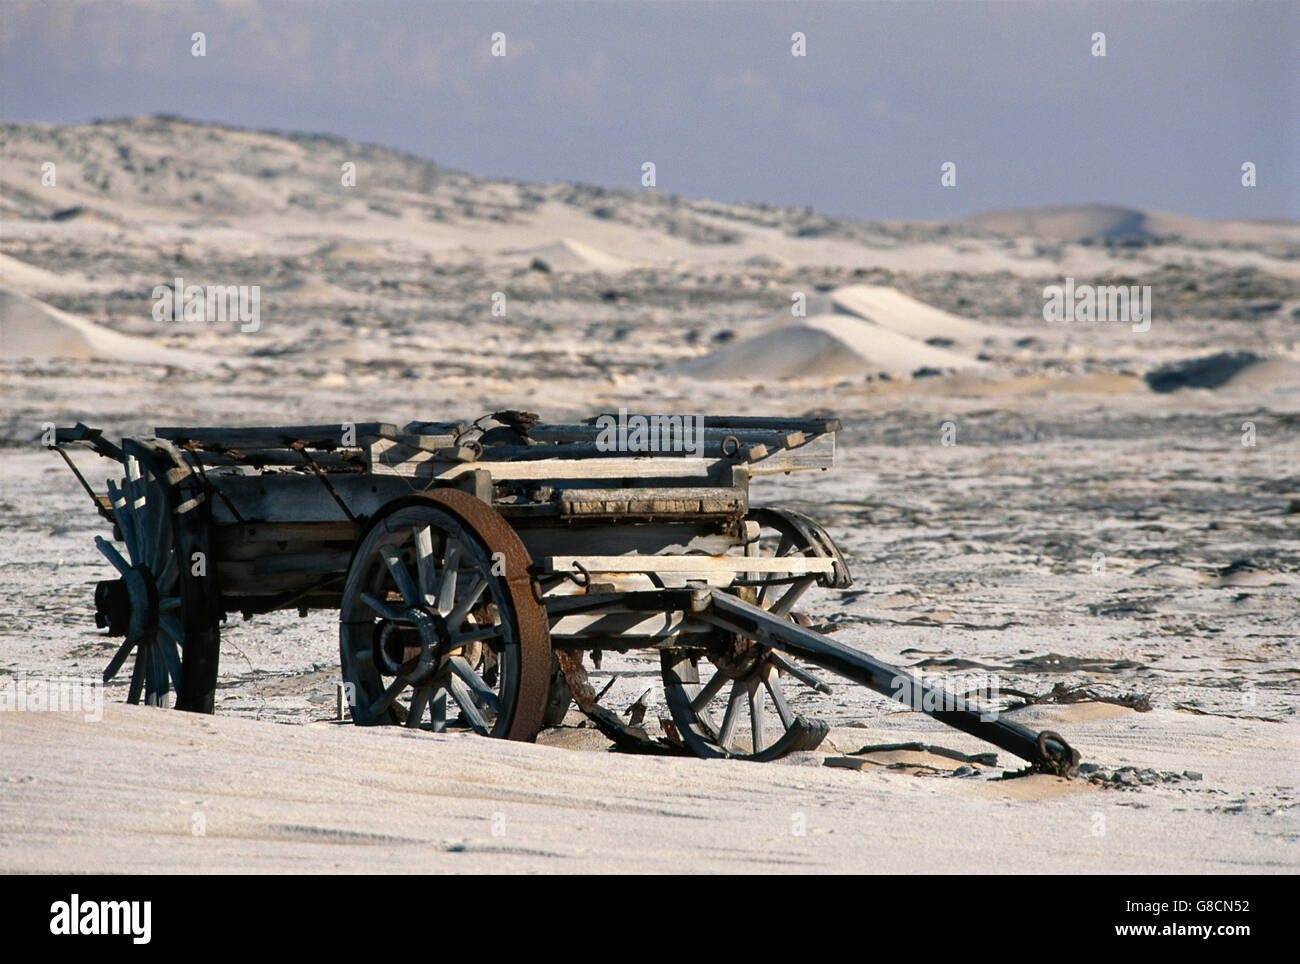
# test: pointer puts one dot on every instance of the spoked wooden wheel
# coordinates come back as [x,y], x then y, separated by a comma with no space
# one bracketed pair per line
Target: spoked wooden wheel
[732,701]
[439,621]
[145,603]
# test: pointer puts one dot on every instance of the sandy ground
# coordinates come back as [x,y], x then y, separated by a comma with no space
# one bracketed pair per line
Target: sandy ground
[223,794]
[1084,530]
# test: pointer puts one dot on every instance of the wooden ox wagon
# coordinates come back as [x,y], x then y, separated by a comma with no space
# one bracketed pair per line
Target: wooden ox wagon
[474,567]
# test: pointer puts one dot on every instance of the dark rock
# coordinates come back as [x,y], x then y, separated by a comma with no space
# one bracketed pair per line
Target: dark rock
[1210,371]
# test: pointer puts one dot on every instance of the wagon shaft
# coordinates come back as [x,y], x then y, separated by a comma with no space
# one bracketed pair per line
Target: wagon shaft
[1047,751]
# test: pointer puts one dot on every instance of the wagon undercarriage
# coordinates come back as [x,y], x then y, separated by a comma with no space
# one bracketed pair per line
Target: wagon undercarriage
[476,567]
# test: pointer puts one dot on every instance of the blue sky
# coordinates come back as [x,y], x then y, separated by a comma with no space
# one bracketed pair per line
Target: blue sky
[711,94]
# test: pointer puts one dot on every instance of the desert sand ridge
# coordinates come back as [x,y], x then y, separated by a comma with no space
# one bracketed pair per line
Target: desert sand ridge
[871,329]
[32,329]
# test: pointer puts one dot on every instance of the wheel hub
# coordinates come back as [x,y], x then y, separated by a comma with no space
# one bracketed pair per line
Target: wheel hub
[128,606]
[416,646]
[742,660]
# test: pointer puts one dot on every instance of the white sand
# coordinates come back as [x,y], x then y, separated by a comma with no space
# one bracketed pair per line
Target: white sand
[566,254]
[32,329]
[825,346]
[125,794]
[890,308]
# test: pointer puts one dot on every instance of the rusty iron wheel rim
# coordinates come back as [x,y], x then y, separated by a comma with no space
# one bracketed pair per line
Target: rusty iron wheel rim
[451,573]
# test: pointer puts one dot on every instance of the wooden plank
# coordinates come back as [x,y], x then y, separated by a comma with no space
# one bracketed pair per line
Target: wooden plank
[601,538]
[241,579]
[794,565]
[434,428]
[344,460]
[712,433]
[302,498]
[818,453]
[560,470]
[644,625]
[678,500]
[402,459]
[327,437]
[810,426]
[233,550]
[319,562]
[590,450]
[425,443]
[288,532]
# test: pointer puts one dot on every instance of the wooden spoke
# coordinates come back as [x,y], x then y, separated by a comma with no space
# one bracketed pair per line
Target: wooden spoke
[450,573]
[160,684]
[110,552]
[426,570]
[438,710]
[788,666]
[484,692]
[410,594]
[381,607]
[172,627]
[124,521]
[728,729]
[118,659]
[756,717]
[419,699]
[390,694]
[772,683]
[172,659]
[469,712]
[467,602]
[488,632]
[707,694]
[137,680]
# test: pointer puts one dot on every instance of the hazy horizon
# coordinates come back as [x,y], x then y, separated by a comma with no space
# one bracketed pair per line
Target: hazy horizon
[710,93]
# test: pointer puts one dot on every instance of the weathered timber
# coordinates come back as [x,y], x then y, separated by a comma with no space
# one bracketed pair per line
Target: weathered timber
[340,460]
[810,426]
[302,498]
[793,565]
[651,501]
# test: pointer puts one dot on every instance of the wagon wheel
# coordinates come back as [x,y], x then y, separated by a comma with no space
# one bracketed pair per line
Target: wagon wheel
[439,602]
[144,604]
[719,701]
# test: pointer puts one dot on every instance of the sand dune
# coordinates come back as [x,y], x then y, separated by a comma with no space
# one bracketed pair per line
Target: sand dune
[1080,223]
[824,346]
[313,288]
[22,276]
[566,254]
[32,329]
[894,310]
[1075,223]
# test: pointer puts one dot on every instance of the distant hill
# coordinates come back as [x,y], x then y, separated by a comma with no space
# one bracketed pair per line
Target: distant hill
[1104,223]
[169,168]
